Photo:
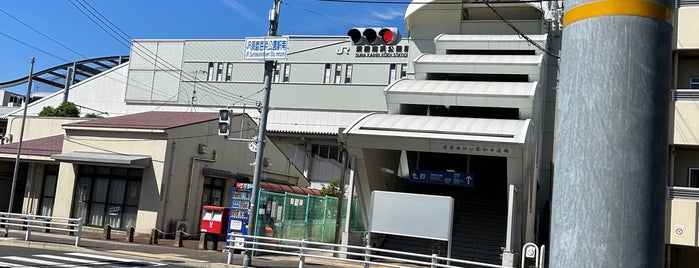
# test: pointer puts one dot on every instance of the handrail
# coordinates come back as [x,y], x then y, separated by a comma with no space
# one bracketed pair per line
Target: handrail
[46,223]
[306,249]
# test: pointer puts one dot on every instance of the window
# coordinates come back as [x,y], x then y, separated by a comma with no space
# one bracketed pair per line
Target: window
[48,190]
[276,72]
[229,71]
[107,195]
[213,192]
[338,73]
[392,73]
[694,83]
[287,71]
[326,78]
[328,152]
[219,72]
[210,77]
[693,178]
[348,74]
[403,70]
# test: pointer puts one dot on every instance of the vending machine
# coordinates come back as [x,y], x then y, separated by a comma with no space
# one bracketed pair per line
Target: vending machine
[239,214]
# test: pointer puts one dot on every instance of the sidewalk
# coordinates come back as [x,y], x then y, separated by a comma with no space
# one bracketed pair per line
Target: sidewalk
[164,252]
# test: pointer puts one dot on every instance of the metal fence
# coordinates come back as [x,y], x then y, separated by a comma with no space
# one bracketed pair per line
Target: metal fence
[367,255]
[28,222]
[302,217]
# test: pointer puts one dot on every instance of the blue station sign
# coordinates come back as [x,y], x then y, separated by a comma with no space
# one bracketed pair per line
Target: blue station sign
[442,177]
[266,48]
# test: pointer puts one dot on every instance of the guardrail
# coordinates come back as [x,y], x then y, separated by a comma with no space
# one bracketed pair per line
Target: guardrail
[366,256]
[685,93]
[683,192]
[30,222]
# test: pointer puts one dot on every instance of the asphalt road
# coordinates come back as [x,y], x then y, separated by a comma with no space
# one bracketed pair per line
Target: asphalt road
[30,257]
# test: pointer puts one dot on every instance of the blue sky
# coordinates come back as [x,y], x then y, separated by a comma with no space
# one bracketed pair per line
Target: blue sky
[24,25]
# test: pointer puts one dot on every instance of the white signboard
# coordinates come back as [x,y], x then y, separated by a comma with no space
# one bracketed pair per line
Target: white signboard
[266,48]
[416,215]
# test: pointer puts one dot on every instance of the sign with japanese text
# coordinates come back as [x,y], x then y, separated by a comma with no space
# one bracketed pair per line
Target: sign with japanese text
[266,48]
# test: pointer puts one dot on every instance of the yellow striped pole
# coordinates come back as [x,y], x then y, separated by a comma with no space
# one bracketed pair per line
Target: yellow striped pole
[611,134]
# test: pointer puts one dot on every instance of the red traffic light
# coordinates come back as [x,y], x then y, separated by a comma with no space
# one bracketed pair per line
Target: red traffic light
[390,35]
[361,36]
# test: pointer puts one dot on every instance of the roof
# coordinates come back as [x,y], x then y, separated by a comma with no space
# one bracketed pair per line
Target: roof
[480,59]
[483,136]
[38,147]
[445,127]
[283,188]
[310,122]
[463,88]
[142,161]
[148,120]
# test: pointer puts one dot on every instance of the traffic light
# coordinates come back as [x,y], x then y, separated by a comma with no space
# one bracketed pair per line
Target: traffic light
[374,36]
[224,122]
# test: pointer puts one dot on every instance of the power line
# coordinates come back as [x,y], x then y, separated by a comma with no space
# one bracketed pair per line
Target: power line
[424,3]
[519,32]
[142,51]
[318,13]
[42,34]
[33,47]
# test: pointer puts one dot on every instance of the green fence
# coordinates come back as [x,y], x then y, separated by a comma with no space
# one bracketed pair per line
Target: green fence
[293,216]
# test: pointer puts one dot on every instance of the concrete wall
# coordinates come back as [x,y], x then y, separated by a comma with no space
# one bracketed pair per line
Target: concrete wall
[153,145]
[685,128]
[38,127]
[682,215]
[687,27]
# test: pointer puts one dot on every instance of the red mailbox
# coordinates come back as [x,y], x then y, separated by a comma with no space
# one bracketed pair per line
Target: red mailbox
[214,220]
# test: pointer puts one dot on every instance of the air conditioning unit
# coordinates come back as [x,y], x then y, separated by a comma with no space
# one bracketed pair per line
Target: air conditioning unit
[182,226]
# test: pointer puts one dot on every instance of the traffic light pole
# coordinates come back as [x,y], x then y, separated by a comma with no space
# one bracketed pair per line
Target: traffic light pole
[21,136]
[262,132]
[608,203]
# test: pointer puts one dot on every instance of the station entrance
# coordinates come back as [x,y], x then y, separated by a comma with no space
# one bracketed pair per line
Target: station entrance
[480,212]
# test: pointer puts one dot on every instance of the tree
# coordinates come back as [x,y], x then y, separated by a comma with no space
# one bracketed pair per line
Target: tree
[93,115]
[332,189]
[66,109]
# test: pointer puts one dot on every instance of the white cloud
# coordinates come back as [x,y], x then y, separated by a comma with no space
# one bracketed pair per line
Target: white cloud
[388,14]
[242,11]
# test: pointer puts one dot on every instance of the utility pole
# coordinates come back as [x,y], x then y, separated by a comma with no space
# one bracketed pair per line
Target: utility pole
[21,136]
[608,203]
[262,132]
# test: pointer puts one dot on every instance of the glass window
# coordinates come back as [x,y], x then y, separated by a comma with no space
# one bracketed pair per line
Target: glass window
[694,83]
[229,72]
[210,77]
[213,192]
[219,72]
[693,180]
[392,73]
[48,191]
[338,73]
[403,70]
[276,72]
[108,196]
[287,72]
[326,78]
[348,74]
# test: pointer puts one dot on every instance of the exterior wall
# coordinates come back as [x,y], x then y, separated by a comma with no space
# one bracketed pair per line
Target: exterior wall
[682,213]
[306,88]
[183,174]
[687,27]
[687,67]
[101,93]
[686,128]
[153,145]
[38,126]
[683,160]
